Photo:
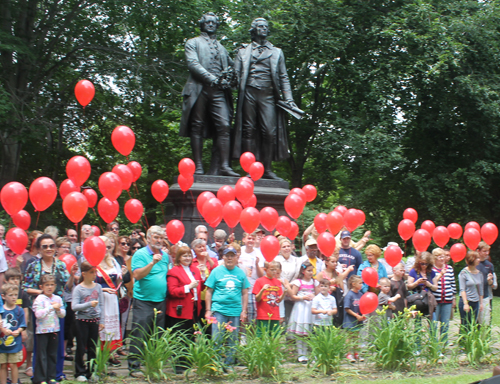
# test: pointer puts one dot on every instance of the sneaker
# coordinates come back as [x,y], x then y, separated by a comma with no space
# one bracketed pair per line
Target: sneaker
[68,358]
[441,355]
[81,379]
[302,359]
[351,358]
[114,362]
[136,374]
[358,357]
[53,382]
[417,353]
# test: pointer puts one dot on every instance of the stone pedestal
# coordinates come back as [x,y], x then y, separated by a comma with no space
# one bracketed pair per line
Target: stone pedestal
[182,206]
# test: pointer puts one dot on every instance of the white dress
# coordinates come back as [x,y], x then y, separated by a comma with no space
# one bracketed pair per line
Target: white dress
[301,318]
[111,313]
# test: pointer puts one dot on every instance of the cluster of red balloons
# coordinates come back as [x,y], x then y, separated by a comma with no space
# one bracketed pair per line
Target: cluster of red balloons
[186,172]
[254,168]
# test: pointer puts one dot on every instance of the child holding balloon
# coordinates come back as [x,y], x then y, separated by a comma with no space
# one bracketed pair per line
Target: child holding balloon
[304,289]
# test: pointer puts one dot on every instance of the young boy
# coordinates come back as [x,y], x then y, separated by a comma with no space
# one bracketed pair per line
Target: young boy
[398,287]
[47,308]
[268,294]
[13,323]
[353,319]
[324,306]
[384,297]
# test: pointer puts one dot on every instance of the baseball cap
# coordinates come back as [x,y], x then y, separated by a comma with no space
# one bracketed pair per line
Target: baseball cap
[311,242]
[229,250]
[345,234]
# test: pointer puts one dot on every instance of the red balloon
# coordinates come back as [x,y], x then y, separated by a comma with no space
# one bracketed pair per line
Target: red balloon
[17,240]
[284,225]
[458,252]
[246,160]
[320,222]
[22,219]
[123,139]
[299,192]
[294,231]
[94,250]
[125,174]
[78,170]
[110,185]
[335,221]
[212,210]
[215,223]
[472,237]
[202,199]
[406,228]
[341,209]
[421,240]
[270,247]
[75,206]
[310,191]
[185,182]
[294,205]
[43,192]
[133,210]
[246,180]
[251,202]
[136,169]
[268,218]
[243,190]
[393,255]
[187,167]
[25,354]
[226,193]
[472,224]
[256,171]
[368,303]
[326,243]
[91,196]
[429,226]
[159,190]
[370,276]
[69,260]
[231,213]
[455,231]
[84,92]
[175,231]
[66,187]
[360,216]
[441,236]
[351,220]
[410,214]
[489,233]
[97,231]
[108,209]
[14,197]
[250,219]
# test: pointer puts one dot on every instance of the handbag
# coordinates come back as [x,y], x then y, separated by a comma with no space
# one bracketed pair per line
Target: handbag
[420,300]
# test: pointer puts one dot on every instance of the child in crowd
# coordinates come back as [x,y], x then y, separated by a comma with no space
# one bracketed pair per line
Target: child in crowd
[384,297]
[268,294]
[324,305]
[303,291]
[87,304]
[353,319]
[13,323]
[398,287]
[285,286]
[47,308]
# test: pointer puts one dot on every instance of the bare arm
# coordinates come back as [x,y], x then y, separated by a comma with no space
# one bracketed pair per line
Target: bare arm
[208,302]
[140,273]
[244,304]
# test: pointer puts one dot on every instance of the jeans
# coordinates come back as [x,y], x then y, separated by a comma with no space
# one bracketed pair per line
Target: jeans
[218,333]
[442,314]
[466,317]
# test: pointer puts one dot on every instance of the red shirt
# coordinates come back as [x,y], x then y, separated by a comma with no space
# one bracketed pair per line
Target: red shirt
[268,306]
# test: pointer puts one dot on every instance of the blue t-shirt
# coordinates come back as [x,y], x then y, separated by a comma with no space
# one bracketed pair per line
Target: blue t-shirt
[351,301]
[348,257]
[153,286]
[430,278]
[12,319]
[227,285]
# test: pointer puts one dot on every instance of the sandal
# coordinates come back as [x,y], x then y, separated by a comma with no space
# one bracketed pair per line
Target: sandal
[28,371]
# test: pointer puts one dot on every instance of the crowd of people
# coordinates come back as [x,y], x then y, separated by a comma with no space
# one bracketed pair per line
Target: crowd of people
[145,280]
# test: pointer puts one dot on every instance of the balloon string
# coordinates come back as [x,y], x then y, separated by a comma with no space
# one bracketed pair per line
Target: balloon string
[84,128]
[163,213]
[146,219]
[128,191]
[182,209]
[135,185]
[38,216]
[98,221]
[77,233]
[10,224]
[405,249]
[144,226]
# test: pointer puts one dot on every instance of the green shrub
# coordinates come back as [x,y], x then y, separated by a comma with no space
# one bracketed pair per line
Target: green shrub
[99,365]
[328,348]
[475,342]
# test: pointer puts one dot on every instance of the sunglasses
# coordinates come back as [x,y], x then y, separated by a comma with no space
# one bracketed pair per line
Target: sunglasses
[115,229]
[48,246]
[136,248]
[424,263]
[125,244]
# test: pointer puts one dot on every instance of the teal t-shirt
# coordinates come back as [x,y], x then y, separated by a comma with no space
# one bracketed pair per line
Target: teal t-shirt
[227,285]
[152,287]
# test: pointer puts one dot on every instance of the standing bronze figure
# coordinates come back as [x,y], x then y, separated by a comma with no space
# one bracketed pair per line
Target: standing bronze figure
[207,107]
[264,96]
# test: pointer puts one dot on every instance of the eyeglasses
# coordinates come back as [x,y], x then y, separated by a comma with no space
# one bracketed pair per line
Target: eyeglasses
[424,263]
[125,244]
[48,246]
[136,248]
[115,229]
[64,246]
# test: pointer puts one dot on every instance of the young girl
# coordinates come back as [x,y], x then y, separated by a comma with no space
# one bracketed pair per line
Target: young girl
[47,308]
[87,304]
[304,289]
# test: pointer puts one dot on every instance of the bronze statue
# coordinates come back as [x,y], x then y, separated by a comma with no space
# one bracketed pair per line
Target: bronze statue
[207,107]
[263,97]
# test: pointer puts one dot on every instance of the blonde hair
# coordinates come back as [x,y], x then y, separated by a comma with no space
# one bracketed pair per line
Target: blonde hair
[353,280]
[372,248]
[437,252]
[108,257]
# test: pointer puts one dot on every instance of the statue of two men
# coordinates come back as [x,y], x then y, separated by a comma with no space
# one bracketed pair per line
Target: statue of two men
[264,94]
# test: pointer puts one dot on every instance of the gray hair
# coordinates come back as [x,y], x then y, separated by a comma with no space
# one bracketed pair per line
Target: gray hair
[198,228]
[197,242]
[220,234]
[52,231]
[155,230]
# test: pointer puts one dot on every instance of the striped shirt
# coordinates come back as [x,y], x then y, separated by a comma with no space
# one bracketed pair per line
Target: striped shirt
[447,288]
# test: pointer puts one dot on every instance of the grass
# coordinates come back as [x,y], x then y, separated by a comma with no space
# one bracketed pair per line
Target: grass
[445,379]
